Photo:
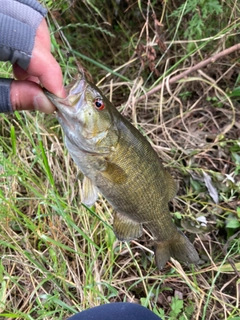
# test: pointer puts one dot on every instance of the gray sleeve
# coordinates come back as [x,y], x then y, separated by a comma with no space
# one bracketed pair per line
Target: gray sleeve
[34,5]
[19,21]
[16,41]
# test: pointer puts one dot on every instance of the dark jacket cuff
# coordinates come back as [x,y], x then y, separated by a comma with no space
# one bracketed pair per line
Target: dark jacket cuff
[5,102]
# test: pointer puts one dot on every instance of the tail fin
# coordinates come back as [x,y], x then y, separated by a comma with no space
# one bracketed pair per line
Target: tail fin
[179,248]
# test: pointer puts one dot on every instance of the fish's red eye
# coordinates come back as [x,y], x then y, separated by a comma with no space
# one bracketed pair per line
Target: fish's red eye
[98,103]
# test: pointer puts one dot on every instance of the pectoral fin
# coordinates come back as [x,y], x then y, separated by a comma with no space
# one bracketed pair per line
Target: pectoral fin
[126,229]
[114,173]
[89,192]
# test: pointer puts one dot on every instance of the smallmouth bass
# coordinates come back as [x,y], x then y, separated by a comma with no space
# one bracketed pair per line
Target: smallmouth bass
[120,163]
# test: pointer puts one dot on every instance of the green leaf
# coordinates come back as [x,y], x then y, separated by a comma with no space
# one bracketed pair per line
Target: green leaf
[178,215]
[13,139]
[238,212]
[233,224]
[235,93]
[45,162]
[236,157]
[176,306]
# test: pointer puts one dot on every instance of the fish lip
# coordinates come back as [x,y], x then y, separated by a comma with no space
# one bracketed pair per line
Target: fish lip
[79,87]
[72,103]
[57,101]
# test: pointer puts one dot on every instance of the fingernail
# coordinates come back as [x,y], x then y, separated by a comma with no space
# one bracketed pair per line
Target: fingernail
[43,104]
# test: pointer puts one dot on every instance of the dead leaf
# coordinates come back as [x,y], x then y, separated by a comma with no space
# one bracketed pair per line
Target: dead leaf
[211,189]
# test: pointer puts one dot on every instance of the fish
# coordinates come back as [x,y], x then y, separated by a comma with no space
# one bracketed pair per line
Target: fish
[119,162]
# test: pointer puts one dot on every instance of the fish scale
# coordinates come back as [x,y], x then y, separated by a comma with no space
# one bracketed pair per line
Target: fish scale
[119,162]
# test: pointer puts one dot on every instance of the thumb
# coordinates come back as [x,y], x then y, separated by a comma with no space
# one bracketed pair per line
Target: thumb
[28,95]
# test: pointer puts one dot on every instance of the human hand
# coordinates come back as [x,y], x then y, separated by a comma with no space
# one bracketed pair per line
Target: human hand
[26,93]
[25,41]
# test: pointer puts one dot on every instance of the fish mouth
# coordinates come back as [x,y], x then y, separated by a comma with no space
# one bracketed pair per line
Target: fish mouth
[79,87]
[72,103]
[76,96]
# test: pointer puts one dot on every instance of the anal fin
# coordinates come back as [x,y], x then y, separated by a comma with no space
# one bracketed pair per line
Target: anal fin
[126,229]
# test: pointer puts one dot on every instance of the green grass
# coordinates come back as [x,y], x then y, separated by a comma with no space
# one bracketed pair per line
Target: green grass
[59,257]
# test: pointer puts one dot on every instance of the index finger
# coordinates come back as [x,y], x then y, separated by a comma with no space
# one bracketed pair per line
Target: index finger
[44,66]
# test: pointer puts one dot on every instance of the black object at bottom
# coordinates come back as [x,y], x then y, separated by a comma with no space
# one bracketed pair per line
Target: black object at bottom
[116,311]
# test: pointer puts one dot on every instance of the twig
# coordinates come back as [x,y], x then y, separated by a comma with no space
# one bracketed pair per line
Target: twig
[200,65]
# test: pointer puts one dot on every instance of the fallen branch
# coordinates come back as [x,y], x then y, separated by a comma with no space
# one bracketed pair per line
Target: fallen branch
[198,66]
